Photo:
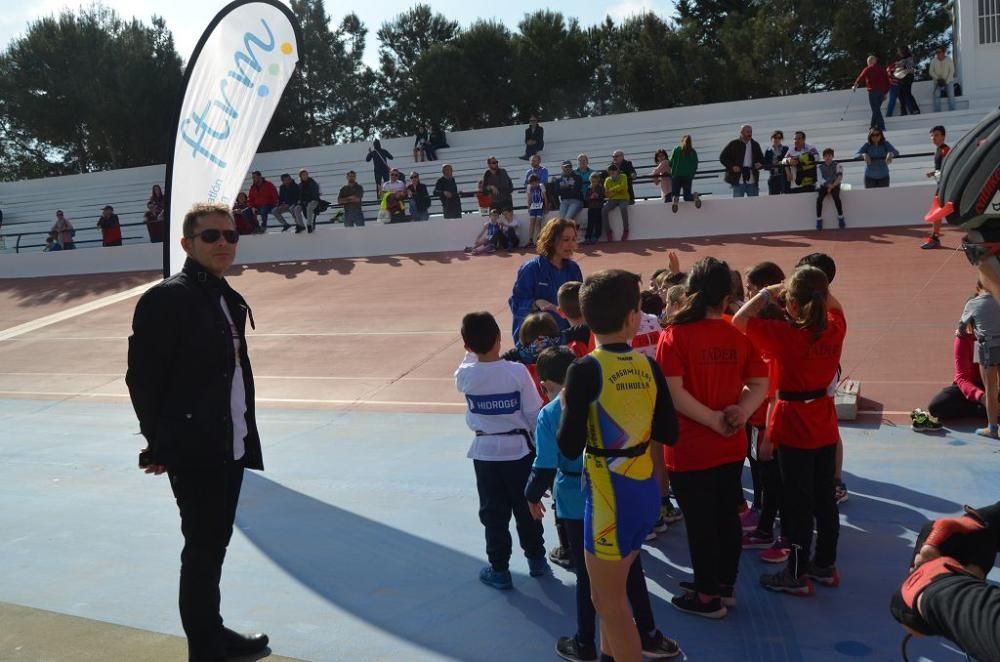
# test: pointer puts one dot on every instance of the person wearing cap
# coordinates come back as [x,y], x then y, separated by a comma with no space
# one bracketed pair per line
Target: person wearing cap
[262,197]
[111,229]
[447,189]
[61,234]
[420,199]
[570,187]
[350,197]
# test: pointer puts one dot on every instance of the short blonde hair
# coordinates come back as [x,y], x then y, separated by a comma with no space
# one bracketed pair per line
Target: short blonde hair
[200,210]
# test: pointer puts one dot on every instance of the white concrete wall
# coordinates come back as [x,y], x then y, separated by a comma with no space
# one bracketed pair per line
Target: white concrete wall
[903,205]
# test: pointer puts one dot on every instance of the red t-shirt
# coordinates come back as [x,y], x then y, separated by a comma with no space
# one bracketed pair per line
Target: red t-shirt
[759,418]
[533,371]
[714,360]
[804,364]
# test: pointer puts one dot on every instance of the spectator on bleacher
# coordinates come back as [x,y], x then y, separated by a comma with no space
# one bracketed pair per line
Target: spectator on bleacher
[890,69]
[483,199]
[594,202]
[777,179]
[878,153]
[447,190]
[420,144]
[350,197]
[584,171]
[498,184]
[534,138]
[743,158]
[905,72]
[111,227]
[942,72]
[802,159]
[154,214]
[537,206]
[570,192]
[616,191]
[420,199]
[395,183]
[661,173]
[831,174]
[246,219]
[263,197]
[876,81]
[62,233]
[539,279]
[538,170]
[308,199]
[626,168]
[380,162]
[941,150]
[437,139]
[683,166]
[288,201]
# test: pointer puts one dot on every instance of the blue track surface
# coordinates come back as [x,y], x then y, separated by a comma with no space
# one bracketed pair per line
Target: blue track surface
[361,541]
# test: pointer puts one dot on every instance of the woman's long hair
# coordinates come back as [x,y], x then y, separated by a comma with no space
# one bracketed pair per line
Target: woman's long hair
[686,143]
[709,283]
[550,234]
[809,289]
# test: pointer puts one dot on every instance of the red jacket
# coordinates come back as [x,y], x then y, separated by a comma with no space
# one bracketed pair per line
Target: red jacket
[967,376]
[875,78]
[264,195]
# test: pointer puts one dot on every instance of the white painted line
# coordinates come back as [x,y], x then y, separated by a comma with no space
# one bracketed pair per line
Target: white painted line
[395,403]
[75,311]
[879,412]
[276,377]
[253,334]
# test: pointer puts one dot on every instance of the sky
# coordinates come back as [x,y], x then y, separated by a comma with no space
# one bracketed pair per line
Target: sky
[188,18]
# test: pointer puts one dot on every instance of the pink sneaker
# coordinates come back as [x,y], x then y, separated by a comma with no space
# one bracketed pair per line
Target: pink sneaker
[778,553]
[749,519]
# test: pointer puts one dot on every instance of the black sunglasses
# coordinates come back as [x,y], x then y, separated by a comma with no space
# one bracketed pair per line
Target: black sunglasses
[976,253]
[211,235]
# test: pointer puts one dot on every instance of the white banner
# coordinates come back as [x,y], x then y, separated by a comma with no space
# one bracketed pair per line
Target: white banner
[234,81]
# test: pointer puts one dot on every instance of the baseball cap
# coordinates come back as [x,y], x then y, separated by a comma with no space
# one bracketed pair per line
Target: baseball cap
[567,164]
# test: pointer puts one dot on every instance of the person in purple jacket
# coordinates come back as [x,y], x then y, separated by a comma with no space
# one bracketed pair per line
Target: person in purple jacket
[539,279]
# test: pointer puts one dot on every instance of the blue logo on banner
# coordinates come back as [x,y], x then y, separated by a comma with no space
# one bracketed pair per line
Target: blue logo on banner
[495,404]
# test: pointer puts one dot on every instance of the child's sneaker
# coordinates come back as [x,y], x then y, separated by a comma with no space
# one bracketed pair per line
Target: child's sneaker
[989,432]
[840,222]
[749,519]
[825,576]
[538,567]
[933,241]
[921,421]
[727,594]
[625,235]
[819,223]
[659,647]
[786,582]
[568,648]
[669,514]
[757,540]
[778,553]
[697,201]
[661,525]
[560,556]
[498,579]
[690,603]
[840,493]
[674,206]
[651,536]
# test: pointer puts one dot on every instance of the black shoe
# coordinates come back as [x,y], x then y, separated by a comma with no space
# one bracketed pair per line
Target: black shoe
[299,229]
[692,604]
[659,647]
[312,228]
[727,594]
[243,644]
[286,228]
[568,648]
[560,556]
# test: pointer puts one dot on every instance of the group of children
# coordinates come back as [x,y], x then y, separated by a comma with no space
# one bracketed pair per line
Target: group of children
[650,392]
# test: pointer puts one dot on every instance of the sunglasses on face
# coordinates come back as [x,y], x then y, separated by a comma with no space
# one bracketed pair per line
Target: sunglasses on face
[976,253]
[212,235]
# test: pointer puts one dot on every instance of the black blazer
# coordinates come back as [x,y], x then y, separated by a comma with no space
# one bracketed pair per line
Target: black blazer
[732,155]
[180,367]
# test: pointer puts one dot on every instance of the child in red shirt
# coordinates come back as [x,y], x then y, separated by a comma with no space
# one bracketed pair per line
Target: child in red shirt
[716,379]
[803,426]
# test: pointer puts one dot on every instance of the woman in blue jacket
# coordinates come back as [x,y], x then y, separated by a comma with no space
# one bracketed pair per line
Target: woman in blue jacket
[539,279]
[878,153]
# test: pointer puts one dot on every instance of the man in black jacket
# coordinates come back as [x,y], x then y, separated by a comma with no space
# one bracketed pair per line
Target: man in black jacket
[534,139]
[308,198]
[192,389]
[447,189]
[288,201]
[743,160]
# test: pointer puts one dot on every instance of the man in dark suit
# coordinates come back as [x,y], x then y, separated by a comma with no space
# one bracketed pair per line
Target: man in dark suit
[192,388]
[534,139]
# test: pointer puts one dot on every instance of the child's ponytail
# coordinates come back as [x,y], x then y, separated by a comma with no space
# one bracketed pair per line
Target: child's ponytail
[708,285]
[809,288]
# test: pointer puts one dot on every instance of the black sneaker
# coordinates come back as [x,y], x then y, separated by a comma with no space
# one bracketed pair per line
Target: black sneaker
[825,576]
[727,594]
[568,648]
[786,582]
[659,647]
[691,604]
[560,556]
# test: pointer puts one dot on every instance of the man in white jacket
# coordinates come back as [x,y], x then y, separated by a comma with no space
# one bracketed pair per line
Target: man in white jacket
[942,72]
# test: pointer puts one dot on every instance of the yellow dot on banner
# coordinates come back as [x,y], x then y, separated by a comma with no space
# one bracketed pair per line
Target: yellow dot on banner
[286,48]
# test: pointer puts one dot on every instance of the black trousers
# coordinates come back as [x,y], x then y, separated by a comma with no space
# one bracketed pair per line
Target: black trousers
[635,586]
[966,611]
[708,500]
[777,184]
[595,223]
[808,479]
[951,403]
[907,104]
[501,494]
[835,194]
[876,183]
[207,501]
[770,494]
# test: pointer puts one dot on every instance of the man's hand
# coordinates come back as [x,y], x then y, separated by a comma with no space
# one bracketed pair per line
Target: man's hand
[448,194]
[737,169]
[537,510]
[758,166]
[854,88]
[931,173]
[155,469]
[542,304]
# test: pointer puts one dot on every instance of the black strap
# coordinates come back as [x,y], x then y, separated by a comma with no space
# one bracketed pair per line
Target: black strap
[574,474]
[801,396]
[520,432]
[632,451]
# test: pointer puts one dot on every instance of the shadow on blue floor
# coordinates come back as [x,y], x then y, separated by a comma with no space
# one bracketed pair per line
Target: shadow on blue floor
[420,591]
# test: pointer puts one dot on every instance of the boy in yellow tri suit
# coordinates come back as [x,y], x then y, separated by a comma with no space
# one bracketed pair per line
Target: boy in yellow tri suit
[615,402]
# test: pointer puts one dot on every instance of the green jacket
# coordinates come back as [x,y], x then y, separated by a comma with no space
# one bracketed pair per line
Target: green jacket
[683,165]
